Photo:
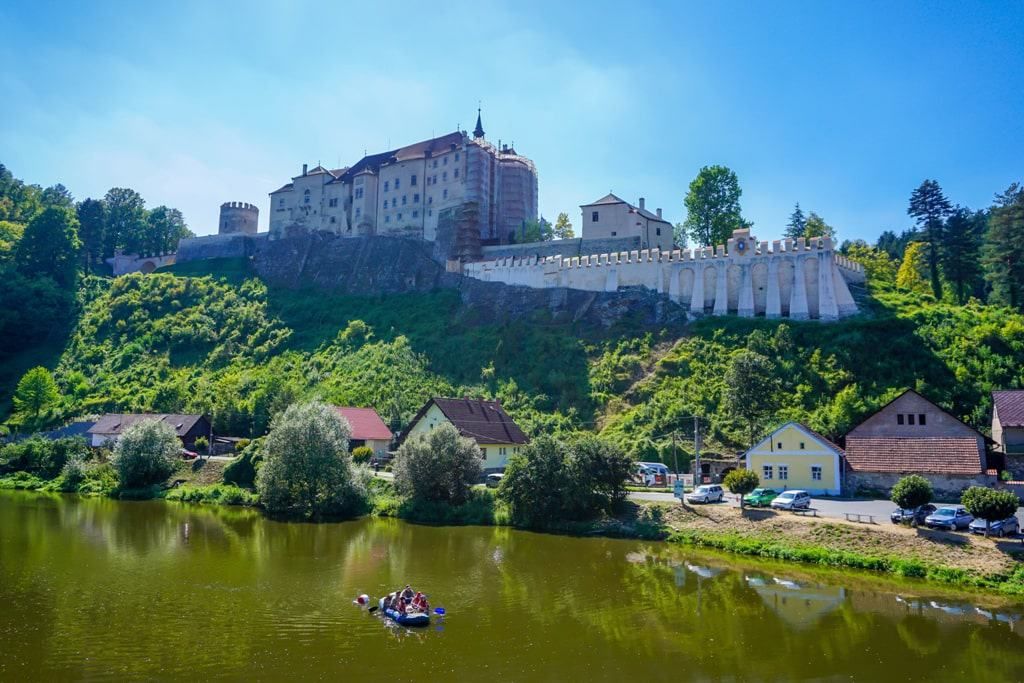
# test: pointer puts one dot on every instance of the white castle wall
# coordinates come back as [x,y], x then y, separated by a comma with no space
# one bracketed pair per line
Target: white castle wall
[800,279]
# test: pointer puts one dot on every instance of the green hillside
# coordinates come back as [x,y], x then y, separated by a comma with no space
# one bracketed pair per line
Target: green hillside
[208,337]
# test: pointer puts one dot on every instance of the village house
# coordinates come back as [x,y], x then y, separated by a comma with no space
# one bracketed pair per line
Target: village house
[486,422]
[1008,421]
[109,428]
[796,457]
[612,217]
[912,435]
[368,429]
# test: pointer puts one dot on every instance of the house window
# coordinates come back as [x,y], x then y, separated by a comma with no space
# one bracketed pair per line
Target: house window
[910,419]
[396,183]
[359,193]
[816,472]
[332,202]
[306,193]
[779,446]
[280,202]
[386,185]
[899,418]
[920,419]
[415,199]
[783,472]
[801,445]
[766,472]
[614,233]
[657,231]
[412,180]
[593,216]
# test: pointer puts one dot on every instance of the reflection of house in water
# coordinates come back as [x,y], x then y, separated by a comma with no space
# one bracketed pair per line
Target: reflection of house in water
[799,606]
[938,611]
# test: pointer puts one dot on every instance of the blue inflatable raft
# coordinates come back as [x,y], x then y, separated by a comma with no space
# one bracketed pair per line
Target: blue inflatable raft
[413,619]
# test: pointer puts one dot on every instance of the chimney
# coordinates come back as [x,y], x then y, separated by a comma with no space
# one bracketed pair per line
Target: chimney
[304,167]
[659,213]
[641,203]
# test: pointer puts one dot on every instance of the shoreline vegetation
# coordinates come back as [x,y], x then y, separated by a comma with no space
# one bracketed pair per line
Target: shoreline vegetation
[957,561]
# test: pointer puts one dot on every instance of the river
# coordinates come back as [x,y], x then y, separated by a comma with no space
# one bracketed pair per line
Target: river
[99,589]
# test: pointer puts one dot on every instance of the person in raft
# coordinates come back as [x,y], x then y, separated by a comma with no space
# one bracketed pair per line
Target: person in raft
[419,603]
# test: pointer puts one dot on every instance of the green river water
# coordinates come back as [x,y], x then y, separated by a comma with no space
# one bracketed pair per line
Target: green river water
[95,589]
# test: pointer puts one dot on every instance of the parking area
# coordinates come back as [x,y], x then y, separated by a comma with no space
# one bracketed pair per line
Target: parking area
[826,507]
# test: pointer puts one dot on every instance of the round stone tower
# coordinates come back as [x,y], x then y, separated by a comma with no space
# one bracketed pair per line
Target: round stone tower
[238,217]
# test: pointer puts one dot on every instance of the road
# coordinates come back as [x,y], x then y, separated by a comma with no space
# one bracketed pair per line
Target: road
[826,507]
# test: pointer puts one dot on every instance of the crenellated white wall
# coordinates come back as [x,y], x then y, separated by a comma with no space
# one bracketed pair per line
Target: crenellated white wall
[800,279]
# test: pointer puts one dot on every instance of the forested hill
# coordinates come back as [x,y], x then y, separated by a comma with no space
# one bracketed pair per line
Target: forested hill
[943,317]
[227,345]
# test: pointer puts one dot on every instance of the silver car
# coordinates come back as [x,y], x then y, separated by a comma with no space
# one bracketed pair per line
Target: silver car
[1001,527]
[792,500]
[950,517]
[708,493]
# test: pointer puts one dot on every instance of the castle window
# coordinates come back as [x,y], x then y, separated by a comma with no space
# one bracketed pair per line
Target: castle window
[430,200]
[445,161]
[280,202]
[415,214]
[920,419]
[444,176]
[307,196]
[435,163]
[445,194]
[385,185]
[455,173]
[435,179]
[358,211]
[456,156]
[404,198]
[593,216]
[398,217]
[359,193]
[394,202]
[415,199]
[412,181]
[387,219]
[333,202]
[614,233]
[657,231]
[333,219]
[430,212]
[396,183]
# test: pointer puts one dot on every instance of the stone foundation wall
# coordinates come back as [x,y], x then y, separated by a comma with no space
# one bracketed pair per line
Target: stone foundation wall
[947,488]
[234,245]
[563,248]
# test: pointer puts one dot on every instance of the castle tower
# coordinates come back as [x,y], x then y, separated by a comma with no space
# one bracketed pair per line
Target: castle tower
[238,217]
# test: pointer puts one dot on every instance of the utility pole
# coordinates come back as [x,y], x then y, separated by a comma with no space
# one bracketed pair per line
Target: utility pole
[675,457]
[698,477]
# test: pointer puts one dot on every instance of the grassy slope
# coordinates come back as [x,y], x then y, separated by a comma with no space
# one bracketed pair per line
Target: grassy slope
[192,342]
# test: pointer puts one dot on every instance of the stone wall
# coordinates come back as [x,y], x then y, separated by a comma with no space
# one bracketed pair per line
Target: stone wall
[799,280]
[947,488]
[122,264]
[563,248]
[237,245]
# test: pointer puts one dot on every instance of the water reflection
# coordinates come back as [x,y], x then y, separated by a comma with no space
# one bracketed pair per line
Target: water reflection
[106,590]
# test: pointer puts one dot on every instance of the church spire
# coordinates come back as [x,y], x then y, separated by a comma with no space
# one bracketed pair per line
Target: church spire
[478,132]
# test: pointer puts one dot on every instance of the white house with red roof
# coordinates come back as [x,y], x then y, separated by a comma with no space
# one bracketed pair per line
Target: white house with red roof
[367,429]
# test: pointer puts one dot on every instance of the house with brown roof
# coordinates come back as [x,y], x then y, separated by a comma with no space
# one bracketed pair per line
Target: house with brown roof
[1008,421]
[108,429]
[912,435]
[368,429]
[486,422]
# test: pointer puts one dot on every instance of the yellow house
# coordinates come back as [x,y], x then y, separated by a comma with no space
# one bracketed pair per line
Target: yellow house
[794,456]
[486,422]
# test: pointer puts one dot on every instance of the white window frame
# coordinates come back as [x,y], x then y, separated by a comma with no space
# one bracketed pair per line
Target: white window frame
[820,472]
[767,472]
[783,472]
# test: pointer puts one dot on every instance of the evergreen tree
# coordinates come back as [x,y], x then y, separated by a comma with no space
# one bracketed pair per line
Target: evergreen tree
[929,206]
[563,227]
[1004,248]
[92,225]
[797,223]
[126,221]
[49,248]
[713,206]
[894,244]
[961,253]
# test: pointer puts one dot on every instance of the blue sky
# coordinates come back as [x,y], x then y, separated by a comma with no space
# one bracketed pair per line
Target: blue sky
[844,107]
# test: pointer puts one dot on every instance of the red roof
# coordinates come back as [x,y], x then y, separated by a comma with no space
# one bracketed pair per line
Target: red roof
[933,455]
[1010,407]
[366,423]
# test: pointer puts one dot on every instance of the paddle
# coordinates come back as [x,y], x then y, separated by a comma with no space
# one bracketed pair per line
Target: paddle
[372,608]
[439,611]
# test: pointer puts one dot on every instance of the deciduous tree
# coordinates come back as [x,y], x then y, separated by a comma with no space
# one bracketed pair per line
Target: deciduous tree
[441,465]
[92,222]
[989,504]
[713,206]
[126,221]
[563,228]
[36,394]
[911,492]
[741,482]
[751,389]
[912,272]
[146,453]
[49,247]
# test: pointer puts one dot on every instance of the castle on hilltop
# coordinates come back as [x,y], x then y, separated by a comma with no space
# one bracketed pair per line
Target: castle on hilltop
[402,192]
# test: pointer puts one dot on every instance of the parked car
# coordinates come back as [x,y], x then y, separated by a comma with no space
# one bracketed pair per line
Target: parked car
[652,473]
[494,480]
[1001,527]
[950,517]
[915,515]
[188,455]
[708,493]
[760,497]
[792,500]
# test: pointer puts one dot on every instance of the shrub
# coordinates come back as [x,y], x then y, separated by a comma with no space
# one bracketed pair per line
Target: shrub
[989,504]
[222,494]
[73,473]
[146,454]
[912,492]
[600,470]
[362,454]
[241,445]
[202,444]
[99,480]
[41,456]
[242,470]
[307,471]
[741,482]
[440,465]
